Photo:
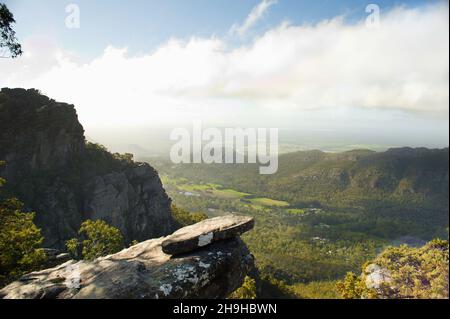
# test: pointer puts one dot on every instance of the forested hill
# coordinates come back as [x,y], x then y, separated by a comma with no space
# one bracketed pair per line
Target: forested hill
[397,174]
[404,184]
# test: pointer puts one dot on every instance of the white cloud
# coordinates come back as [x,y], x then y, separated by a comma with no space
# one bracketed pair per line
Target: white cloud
[255,15]
[403,65]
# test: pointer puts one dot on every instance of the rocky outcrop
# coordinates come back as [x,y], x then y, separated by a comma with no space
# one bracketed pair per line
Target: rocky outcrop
[405,272]
[211,269]
[215,229]
[376,277]
[54,172]
[36,133]
[133,200]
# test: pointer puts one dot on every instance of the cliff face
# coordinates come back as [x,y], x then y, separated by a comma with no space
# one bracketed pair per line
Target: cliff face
[36,133]
[66,181]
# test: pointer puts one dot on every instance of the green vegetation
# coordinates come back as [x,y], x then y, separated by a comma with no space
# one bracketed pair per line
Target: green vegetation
[207,189]
[268,202]
[228,193]
[322,215]
[401,192]
[315,290]
[73,248]
[98,160]
[134,242]
[296,211]
[185,218]
[20,240]
[410,273]
[246,291]
[100,239]
[301,250]
[352,287]
[8,38]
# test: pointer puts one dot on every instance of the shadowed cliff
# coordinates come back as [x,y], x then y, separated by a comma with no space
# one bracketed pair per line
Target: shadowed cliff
[51,168]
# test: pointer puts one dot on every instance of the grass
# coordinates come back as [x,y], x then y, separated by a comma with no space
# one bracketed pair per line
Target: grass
[192,187]
[216,190]
[208,189]
[262,201]
[228,193]
[257,207]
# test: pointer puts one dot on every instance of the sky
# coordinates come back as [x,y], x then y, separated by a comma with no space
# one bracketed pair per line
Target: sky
[320,66]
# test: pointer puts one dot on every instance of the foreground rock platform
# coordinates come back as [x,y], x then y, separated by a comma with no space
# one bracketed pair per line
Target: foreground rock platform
[206,232]
[144,271]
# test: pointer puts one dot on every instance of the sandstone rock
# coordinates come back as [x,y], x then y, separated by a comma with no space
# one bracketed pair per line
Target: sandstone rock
[375,276]
[132,200]
[50,168]
[206,232]
[143,271]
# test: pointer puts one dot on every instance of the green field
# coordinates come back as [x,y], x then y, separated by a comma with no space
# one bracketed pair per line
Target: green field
[298,211]
[207,189]
[228,193]
[217,191]
[262,201]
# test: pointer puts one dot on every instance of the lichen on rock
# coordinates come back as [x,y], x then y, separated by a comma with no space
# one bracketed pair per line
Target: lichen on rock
[145,271]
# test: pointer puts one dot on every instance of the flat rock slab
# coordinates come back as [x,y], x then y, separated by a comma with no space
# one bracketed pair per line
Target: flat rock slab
[192,237]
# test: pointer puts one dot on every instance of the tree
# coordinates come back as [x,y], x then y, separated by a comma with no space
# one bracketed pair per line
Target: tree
[8,38]
[351,287]
[185,218]
[20,242]
[72,246]
[246,291]
[100,240]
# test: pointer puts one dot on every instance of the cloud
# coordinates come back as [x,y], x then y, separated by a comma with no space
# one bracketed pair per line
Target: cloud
[255,15]
[403,65]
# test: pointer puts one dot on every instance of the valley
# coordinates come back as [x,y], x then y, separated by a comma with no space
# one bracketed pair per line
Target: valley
[316,226]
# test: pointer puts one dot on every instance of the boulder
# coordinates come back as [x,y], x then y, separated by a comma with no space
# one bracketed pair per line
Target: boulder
[206,232]
[376,276]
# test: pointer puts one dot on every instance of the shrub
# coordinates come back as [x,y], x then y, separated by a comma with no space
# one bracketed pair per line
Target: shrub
[185,218]
[100,239]
[246,291]
[413,273]
[20,242]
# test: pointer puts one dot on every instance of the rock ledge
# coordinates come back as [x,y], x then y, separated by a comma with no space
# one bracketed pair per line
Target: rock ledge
[206,232]
[145,271]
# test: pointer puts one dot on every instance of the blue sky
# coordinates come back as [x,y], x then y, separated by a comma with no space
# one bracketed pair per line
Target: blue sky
[142,25]
[310,65]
